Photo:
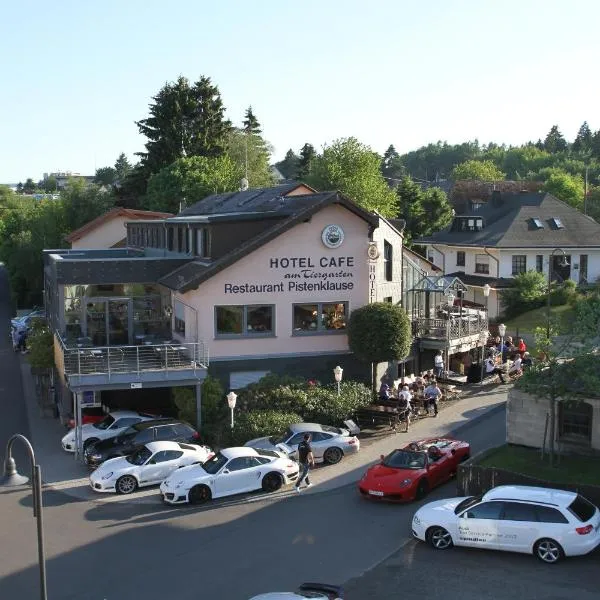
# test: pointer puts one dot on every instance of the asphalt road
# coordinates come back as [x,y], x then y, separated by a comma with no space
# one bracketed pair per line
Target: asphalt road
[225,551]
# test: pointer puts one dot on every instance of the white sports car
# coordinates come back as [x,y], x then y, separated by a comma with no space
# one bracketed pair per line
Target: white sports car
[148,465]
[112,425]
[317,591]
[231,471]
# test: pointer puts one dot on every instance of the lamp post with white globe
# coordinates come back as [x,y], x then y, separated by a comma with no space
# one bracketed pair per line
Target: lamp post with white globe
[337,373]
[231,400]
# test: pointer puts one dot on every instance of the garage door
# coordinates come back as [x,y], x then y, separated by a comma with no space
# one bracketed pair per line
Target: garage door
[240,379]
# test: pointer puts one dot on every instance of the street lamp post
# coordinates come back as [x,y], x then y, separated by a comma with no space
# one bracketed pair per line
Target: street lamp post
[231,400]
[11,479]
[564,263]
[337,373]
[483,336]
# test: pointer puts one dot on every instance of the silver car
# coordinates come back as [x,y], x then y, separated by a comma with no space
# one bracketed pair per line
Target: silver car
[329,444]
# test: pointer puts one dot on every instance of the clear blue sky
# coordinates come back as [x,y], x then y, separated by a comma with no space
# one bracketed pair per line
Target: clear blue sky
[76,75]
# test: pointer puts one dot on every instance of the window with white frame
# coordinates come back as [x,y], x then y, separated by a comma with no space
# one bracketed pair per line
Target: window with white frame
[519,264]
[482,264]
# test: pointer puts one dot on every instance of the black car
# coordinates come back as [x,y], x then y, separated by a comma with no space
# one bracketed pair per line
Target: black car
[171,430]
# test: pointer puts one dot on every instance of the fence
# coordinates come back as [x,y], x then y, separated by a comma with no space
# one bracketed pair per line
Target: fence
[473,480]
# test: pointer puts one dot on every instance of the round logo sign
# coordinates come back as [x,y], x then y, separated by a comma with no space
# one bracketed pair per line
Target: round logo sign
[333,236]
[373,251]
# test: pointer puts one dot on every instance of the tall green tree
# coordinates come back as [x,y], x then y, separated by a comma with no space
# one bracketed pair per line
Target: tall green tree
[411,209]
[185,120]
[379,332]
[251,124]
[583,141]
[392,167]
[29,187]
[105,176]
[555,141]
[49,184]
[83,202]
[352,168]
[307,156]
[250,153]
[565,187]
[290,165]
[480,170]
[595,145]
[122,167]
[189,180]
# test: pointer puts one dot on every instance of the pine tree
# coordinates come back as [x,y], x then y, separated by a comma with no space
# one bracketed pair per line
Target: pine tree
[288,167]
[251,124]
[122,167]
[555,142]
[583,141]
[185,120]
[307,155]
[392,167]
[410,207]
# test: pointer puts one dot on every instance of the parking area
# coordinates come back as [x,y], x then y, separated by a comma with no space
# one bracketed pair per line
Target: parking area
[417,571]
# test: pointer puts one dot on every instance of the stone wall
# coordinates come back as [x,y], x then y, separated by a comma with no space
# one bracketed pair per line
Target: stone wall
[526,420]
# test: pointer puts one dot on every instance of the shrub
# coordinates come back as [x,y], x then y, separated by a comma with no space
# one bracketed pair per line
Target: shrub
[214,406]
[250,425]
[527,292]
[328,408]
[40,343]
[565,293]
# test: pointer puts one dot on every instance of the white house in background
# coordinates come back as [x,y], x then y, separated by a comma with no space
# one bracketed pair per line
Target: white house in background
[109,230]
[511,234]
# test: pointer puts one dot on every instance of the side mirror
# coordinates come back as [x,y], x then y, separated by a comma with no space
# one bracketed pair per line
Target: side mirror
[225,471]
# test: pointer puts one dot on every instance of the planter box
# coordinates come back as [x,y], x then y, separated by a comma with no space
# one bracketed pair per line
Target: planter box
[473,480]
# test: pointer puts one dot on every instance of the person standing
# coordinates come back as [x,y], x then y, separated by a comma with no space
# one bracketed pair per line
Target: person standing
[433,395]
[438,364]
[404,405]
[306,460]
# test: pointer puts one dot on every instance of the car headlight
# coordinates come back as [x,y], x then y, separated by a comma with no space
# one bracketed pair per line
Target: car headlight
[107,476]
[416,520]
[405,482]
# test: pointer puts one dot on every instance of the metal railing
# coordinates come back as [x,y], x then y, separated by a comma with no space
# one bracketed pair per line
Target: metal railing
[449,329]
[108,360]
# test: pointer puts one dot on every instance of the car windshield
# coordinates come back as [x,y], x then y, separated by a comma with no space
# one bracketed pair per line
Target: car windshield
[467,503]
[582,508]
[281,439]
[402,459]
[436,443]
[139,457]
[213,465]
[105,423]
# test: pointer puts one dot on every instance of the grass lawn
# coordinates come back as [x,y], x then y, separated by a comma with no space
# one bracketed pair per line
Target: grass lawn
[527,322]
[572,469]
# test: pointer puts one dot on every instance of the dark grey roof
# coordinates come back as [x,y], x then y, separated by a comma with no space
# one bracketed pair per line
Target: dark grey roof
[297,209]
[252,200]
[507,224]
[481,280]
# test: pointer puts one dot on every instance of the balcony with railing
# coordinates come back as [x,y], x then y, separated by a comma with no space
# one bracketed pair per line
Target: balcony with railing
[452,328]
[168,362]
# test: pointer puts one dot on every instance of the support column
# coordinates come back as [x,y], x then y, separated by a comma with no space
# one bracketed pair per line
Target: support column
[78,424]
[198,406]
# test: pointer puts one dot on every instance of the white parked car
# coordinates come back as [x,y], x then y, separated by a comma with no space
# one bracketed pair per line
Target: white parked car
[549,523]
[329,444]
[112,425]
[148,465]
[230,471]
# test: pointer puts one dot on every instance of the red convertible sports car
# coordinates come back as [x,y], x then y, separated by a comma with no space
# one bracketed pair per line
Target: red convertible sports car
[410,472]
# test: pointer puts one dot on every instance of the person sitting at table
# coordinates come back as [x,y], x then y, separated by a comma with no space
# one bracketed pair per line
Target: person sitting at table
[384,392]
[432,395]
[521,347]
[527,361]
[492,369]
[516,368]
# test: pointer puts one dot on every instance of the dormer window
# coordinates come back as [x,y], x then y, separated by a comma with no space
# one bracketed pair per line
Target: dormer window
[467,224]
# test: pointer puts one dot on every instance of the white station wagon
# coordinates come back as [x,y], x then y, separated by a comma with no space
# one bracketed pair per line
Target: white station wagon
[549,523]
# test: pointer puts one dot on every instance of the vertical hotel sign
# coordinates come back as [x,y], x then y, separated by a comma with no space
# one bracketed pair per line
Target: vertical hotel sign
[373,253]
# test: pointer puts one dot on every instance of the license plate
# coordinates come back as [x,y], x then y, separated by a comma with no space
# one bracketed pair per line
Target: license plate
[375,493]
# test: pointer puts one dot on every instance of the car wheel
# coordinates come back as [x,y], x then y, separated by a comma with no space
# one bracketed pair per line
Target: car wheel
[89,442]
[126,484]
[439,538]
[272,482]
[422,489]
[548,551]
[333,455]
[199,494]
